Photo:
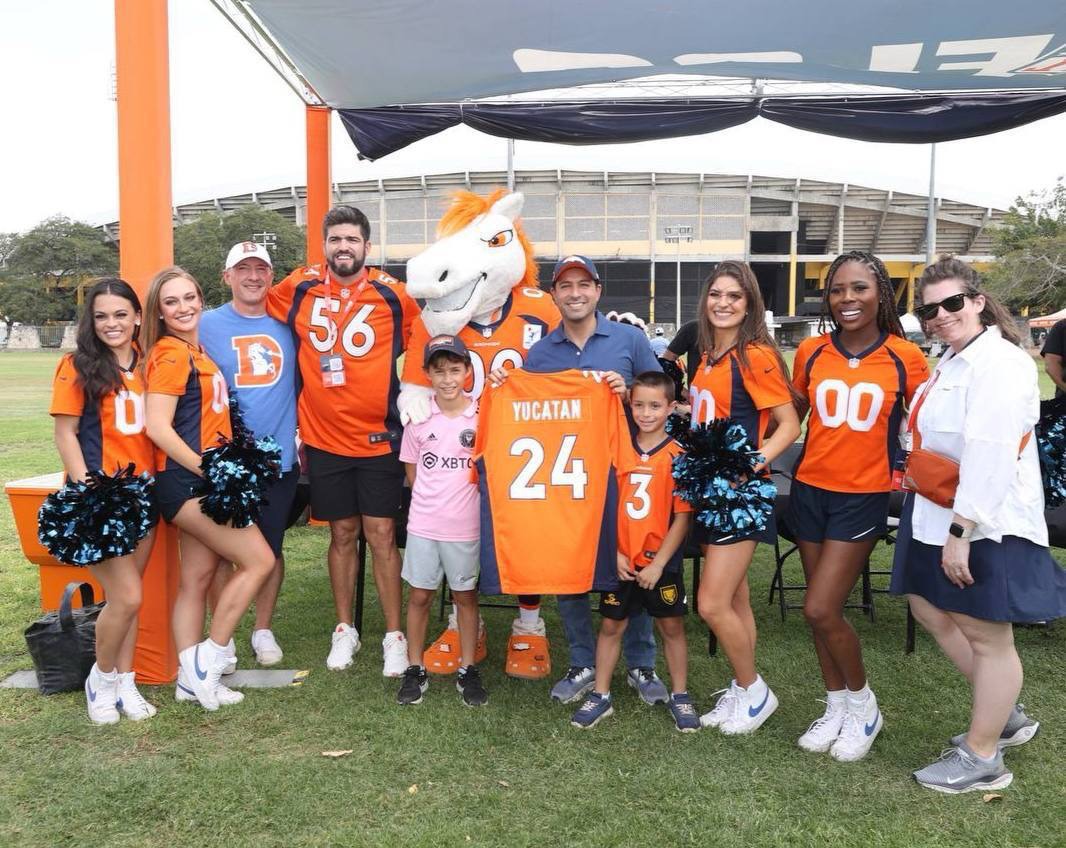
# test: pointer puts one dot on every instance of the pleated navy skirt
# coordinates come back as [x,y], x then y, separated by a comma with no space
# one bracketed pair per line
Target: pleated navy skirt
[1014,580]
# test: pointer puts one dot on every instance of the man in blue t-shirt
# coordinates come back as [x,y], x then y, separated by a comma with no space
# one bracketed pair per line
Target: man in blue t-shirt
[256,354]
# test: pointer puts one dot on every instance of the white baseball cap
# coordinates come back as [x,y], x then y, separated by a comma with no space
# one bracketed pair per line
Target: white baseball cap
[247,250]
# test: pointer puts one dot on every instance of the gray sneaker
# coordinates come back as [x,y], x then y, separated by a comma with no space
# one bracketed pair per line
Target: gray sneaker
[649,686]
[577,681]
[960,770]
[1019,730]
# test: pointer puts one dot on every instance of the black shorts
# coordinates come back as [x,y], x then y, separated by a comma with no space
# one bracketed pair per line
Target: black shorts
[274,519]
[666,600]
[704,536]
[817,515]
[346,486]
[172,488]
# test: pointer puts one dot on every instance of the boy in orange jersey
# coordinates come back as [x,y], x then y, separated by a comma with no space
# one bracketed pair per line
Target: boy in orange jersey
[652,526]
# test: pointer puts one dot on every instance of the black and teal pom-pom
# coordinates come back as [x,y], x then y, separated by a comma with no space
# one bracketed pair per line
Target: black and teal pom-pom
[237,474]
[672,370]
[716,474]
[1051,446]
[101,518]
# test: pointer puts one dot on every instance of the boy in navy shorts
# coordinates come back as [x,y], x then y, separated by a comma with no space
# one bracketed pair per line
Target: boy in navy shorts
[652,527]
[443,525]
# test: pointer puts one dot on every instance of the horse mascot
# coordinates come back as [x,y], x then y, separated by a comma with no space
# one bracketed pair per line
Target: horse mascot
[479,282]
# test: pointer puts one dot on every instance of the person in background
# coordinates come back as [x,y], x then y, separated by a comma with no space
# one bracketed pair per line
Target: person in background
[658,342]
[1054,353]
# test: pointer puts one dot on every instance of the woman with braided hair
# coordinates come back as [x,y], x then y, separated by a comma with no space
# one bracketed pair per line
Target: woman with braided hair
[855,379]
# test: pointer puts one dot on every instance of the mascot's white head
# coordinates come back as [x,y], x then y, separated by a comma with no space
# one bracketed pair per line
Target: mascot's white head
[482,253]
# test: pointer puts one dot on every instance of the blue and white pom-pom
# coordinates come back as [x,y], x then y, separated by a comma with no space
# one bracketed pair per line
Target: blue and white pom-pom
[103,517]
[237,474]
[1051,446]
[716,474]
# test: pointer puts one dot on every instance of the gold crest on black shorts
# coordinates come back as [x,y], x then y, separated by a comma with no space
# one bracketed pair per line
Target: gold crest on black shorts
[668,594]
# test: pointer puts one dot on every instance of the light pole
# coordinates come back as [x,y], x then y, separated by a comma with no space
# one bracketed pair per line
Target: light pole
[675,234]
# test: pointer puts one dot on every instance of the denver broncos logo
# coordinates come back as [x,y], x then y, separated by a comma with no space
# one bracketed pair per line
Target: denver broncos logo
[259,361]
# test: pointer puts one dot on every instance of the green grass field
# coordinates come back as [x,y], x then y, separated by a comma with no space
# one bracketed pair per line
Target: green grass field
[514,774]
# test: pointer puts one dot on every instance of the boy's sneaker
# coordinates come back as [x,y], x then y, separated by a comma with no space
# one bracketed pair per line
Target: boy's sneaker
[130,701]
[592,711]
[960,770]
[825,729]
[231,655]
[266,647]
[471,688]
[344,647]
[101,695]
[226,697]
[686,718]
[203,665]
[1019,730]
[858,732]
[723,707]
[414,686]
[749,712]
[649,686]
[394,652]
[577,681]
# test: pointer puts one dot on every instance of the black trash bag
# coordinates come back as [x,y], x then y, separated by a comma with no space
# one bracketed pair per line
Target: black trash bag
[63,643]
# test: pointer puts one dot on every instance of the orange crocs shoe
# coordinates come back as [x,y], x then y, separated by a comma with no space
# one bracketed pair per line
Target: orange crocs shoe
[442,657]
[528,656]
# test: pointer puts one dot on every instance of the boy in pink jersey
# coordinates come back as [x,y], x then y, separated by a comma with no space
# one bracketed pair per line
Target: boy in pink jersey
[442,542]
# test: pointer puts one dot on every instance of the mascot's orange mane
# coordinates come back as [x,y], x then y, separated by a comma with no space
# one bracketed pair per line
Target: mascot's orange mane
[466,206]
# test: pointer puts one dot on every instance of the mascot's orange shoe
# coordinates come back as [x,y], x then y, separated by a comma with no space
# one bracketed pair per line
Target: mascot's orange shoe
[442,657]
[528,656]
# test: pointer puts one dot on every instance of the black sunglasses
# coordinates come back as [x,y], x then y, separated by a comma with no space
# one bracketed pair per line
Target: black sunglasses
[951,304]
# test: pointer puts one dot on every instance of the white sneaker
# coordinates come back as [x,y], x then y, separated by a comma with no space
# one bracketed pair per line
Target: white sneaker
[394,649]
[203,665]
[130,702]
[825,729]
[101,693]
[231,654]
[861,726]
[344,648]
[226,696]
[266,647]
[723,707]
[748,713]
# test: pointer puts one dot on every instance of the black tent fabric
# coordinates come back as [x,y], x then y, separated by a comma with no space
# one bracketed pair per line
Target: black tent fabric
[908,119]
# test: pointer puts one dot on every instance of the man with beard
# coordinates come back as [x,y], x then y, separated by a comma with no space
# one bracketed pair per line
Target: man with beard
[350,324]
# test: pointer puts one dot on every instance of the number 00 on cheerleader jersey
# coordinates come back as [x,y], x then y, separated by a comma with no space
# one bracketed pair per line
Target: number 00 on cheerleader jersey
[546,452]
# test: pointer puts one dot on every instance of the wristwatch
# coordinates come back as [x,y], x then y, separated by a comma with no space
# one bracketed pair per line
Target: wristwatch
[960,532]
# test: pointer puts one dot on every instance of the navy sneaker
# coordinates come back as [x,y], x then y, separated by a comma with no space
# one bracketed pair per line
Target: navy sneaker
[577,681]
[649,686]
[686,716]
[592,711]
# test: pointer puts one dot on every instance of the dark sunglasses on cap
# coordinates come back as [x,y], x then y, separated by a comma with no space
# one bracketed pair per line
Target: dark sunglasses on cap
[951,304]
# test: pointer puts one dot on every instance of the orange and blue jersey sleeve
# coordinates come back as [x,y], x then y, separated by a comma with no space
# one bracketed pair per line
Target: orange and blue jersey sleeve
[68,397]
[413,372]
[411,316]
[766,379]
[167,370]
[280,297]
[800,378]
[917,368]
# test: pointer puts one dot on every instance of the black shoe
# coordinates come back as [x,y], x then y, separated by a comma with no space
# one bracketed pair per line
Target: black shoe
[471,688]
[414,686]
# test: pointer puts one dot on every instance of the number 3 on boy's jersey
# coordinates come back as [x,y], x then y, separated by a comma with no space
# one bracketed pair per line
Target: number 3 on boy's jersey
[566,470]
[638,504]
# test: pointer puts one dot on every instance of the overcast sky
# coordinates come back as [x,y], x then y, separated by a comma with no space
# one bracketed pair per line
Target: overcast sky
[238,128]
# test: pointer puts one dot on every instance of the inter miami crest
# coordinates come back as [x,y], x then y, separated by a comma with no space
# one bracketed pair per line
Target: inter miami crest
[466,438]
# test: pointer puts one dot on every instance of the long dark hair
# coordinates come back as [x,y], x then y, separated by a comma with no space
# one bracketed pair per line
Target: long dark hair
[995,314]
[94,361]
[887,315]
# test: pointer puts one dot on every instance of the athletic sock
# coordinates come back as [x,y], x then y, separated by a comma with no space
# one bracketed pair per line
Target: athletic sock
[859,698]
[528,615]
[757,689]
[836,697]
[211,643]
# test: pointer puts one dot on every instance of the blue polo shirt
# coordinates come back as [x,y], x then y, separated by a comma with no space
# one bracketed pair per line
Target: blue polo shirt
[611,347]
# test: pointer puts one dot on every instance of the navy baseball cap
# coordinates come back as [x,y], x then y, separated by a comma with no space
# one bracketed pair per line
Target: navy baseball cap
[450,344]
[575,261]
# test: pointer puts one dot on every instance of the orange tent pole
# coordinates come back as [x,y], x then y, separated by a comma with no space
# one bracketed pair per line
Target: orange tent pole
[142,66]
[319,183]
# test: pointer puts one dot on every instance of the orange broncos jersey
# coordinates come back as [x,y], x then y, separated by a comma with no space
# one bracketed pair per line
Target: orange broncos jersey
[110,430]
[646,500]
[546,450]
[726,389]
[175,367]
[527,317]
[857,406]
[367,326]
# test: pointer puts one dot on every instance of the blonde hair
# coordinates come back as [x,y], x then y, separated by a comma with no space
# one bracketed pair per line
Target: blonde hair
[152,326]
